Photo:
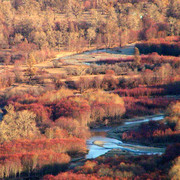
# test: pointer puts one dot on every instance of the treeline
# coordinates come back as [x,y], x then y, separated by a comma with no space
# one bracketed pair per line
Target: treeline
[149,83]
[143,106]
[141,91]
[58,114]
[155,58]
[32,164]
[161,46]
[63,145]
[20,54]
[150,58]
[152,133]
[88,107]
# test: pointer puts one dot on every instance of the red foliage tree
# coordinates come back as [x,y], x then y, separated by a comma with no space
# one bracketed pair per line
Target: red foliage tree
[76,108]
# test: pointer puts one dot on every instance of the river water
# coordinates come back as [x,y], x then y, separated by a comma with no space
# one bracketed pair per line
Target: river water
[99,143]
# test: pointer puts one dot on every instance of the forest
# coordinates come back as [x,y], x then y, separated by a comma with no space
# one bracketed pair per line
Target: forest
[71,67]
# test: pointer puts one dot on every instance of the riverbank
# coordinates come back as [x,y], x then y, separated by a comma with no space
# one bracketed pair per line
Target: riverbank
[133,124]
[124,125]
[110,143]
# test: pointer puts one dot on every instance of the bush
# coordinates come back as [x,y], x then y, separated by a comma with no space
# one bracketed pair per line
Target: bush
[173,115]
[16,125]
[76,108]
[105,105]
[174,172]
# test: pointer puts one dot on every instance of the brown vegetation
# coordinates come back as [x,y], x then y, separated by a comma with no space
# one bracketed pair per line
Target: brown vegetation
[158,132]
[121,167]
[48,107]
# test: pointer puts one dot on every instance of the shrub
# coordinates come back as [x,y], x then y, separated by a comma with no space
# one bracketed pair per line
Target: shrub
[173,115]
[105,105]
[174,172]
[16,125]
[76,108]
[54,96]
[73,127]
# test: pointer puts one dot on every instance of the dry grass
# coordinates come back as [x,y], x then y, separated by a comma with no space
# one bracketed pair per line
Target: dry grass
[71,60]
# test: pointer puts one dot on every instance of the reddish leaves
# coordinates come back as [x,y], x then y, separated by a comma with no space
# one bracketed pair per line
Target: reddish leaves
[152,132]
[76,108]
[139,91]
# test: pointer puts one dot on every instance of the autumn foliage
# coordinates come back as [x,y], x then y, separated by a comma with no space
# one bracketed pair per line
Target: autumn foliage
[121,167]
[173,115]
[145,106]
[165,46]
[46,116]
[40,156]
[153,132]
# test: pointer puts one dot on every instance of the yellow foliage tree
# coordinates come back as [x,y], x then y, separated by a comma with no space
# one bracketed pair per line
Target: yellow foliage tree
[174,172]
[137,57]
[18,125]
[173,115]
[31,70]
[105,105]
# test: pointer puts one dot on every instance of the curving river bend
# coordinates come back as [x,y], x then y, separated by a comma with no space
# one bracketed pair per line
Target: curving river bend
[100,144]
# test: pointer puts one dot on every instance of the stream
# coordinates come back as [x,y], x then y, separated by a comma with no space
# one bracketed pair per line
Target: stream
[99,144]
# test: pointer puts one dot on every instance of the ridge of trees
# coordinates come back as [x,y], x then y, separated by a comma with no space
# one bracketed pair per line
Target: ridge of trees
[74,25]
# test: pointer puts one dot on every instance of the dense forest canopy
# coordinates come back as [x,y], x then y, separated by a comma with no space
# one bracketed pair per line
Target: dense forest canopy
[73,23]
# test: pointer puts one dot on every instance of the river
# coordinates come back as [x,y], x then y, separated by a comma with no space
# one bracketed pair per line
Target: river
[99,144]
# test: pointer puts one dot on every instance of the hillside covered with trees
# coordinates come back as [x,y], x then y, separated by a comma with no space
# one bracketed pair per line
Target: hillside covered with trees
[77,24]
